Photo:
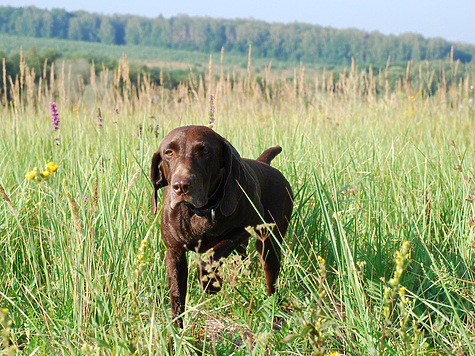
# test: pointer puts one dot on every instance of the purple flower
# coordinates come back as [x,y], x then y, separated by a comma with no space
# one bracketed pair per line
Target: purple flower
[349,191]
[54,116]
[116,112]
[102,165]
[154,129]
[138,134]
[211,111]
[99,118]
[55,119]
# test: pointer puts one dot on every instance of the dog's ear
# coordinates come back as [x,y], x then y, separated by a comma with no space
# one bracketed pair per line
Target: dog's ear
[157,177]
[235,180]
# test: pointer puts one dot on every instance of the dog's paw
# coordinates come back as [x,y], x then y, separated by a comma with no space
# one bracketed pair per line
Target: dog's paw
[211,285]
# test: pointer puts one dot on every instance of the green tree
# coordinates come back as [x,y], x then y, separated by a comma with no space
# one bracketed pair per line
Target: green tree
[137,30]
[60,23]
[84,27]
[161,33]
[26,23]
[295,41]
[106,31]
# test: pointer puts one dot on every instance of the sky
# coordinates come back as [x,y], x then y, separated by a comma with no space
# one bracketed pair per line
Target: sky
[452,20]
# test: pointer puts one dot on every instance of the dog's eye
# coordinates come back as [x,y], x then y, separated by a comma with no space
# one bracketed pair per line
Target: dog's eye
[205,150]
[169,152]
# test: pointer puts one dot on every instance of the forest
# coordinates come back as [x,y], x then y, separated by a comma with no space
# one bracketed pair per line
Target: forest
[294,42]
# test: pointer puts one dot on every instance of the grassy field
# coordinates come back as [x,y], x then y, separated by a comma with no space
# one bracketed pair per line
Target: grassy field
[165,58]
[378,259]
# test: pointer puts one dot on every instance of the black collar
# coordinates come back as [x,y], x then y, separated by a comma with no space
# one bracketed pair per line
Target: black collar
[213,202]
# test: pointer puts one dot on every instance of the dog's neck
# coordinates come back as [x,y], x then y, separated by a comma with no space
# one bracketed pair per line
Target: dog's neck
[214,201]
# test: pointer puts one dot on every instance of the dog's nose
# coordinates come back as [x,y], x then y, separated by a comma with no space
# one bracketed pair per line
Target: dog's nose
[181,185]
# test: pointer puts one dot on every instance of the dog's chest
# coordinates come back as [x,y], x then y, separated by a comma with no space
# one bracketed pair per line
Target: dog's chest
[188,229]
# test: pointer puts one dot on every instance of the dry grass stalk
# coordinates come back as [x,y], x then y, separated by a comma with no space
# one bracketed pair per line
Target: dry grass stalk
[22,67]
[30,86]
[39,93]
[92,80]
[216,329]
[407,79]
[94,198]
[45,80]
[249,69]
[301,91]
[15,91]
[61,87]
[201,89]
[324,79]
[295,87]
[5,197]
[134,178]
[243,90]
[74,211]
[209,82]
[68,91]
[51,81]
[467,85]
[4,97]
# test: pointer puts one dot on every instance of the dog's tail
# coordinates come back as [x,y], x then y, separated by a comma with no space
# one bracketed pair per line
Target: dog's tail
[268,155]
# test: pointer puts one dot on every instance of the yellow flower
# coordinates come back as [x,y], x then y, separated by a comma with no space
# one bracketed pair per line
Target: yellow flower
[402,292]
[52,167]
[37,174]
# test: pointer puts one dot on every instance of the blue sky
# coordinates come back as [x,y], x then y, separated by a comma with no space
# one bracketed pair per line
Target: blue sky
[453,20]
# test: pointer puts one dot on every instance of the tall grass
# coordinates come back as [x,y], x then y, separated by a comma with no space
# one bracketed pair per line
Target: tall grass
[371,166]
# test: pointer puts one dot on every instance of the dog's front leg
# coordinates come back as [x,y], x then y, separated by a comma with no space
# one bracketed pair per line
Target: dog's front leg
[177,275]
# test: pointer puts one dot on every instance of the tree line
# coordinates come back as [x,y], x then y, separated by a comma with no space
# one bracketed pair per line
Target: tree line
[296,42]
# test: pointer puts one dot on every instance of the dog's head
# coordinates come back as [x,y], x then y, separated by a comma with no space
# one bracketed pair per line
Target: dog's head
[200,167]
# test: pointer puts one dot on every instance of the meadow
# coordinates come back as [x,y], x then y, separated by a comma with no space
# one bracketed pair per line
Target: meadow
[378,259]
[164,58]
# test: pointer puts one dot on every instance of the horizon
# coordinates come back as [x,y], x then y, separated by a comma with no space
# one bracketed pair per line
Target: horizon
[449,20]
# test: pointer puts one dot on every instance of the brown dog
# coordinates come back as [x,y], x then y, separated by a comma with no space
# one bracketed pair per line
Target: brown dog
[210,196]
